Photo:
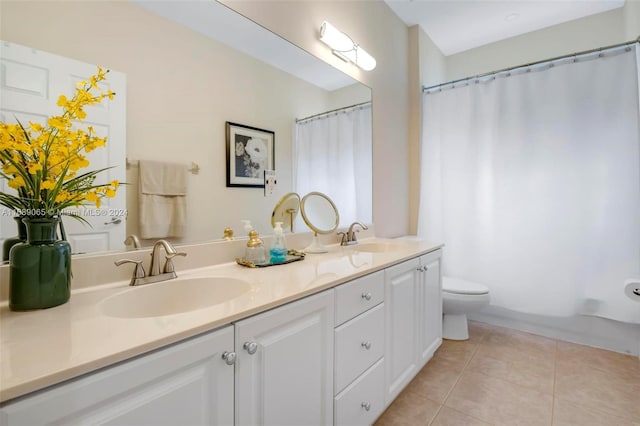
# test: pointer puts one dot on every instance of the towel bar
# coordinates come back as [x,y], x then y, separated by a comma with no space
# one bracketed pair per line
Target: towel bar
[194,169]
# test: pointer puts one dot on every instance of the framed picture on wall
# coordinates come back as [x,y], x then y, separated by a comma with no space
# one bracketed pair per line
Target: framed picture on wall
[250,151]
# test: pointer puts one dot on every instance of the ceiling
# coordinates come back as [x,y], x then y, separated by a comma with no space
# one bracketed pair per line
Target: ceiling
[459,25]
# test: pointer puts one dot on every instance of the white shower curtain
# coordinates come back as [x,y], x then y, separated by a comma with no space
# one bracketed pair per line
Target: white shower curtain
[332,155]
[532,181]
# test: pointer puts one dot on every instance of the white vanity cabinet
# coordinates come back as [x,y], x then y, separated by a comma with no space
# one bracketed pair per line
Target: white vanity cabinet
[359,357]
[413,319]
[430,308]
[185,384]
[284,368]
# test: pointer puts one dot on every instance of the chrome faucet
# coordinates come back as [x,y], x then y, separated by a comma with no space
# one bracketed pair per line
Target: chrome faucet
[155,274]
[133,239]
[349,238]
[170,253]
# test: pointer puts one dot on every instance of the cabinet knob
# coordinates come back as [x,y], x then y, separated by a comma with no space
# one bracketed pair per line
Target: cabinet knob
[423,269]
[250,347]
[366,345]
[229,357]
[366,406]
[366,296]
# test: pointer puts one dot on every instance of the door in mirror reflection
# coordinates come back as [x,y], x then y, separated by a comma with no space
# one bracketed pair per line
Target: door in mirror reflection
[32,81]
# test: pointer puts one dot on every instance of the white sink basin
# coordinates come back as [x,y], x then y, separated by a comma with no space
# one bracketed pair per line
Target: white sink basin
[173,297]
[376,247]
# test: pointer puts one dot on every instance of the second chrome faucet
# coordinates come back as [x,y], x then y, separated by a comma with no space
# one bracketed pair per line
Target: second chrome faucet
[349,237]
[155,273]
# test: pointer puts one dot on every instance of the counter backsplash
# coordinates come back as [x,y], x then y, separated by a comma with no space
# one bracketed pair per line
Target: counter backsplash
[99,269]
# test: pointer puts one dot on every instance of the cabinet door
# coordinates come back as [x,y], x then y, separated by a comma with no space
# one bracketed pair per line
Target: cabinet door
[186,384]
[401,326]
[430,326]
[284,369]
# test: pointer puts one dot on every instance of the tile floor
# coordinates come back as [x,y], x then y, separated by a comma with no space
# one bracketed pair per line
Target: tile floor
[506,377]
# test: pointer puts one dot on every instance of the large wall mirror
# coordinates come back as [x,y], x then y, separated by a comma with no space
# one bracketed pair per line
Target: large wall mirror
[191,66]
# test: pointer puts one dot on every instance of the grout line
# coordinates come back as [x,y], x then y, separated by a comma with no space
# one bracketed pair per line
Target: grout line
[475,349]
[555,376]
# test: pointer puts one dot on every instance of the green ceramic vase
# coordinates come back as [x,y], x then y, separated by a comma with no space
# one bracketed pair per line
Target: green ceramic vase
[10,242]
[40,268]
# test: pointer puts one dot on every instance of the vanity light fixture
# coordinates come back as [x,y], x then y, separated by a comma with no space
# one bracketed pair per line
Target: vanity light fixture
[345,48]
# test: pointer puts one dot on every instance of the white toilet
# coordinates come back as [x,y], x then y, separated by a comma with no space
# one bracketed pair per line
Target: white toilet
[460,297]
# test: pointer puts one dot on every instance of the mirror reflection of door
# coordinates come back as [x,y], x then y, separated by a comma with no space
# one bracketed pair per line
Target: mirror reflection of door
[33,80]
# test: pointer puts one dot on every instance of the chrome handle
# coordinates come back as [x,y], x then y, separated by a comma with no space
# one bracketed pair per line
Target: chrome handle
[229,357]
[423,269]
[114,221]
[168,264]
[366,406]
[366,345]
[250,347]
[366,296]
[138,271]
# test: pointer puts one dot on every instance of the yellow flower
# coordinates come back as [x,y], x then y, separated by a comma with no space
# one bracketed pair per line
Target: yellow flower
[34,168]
[17,182]
[48,184]
[62,101]
[115,184]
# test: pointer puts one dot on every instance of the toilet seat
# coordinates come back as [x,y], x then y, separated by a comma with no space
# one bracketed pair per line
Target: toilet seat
[458,286]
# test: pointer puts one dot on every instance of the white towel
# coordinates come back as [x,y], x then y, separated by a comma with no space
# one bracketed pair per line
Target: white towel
[162,199]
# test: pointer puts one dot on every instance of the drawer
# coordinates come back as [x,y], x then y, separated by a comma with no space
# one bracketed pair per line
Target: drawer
[359,295]
[350,407]
[358,344]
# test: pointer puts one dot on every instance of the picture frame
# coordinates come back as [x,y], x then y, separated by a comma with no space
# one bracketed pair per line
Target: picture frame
[250,151]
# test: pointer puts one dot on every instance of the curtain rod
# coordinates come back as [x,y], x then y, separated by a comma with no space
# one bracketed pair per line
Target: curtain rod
[332,111]
[599,49]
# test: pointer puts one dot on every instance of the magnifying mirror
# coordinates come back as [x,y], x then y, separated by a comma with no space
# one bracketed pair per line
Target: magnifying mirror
[286,210]
[321,216]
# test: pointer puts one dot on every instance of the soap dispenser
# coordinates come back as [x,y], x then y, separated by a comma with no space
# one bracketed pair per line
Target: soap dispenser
[255,251]
[278,250]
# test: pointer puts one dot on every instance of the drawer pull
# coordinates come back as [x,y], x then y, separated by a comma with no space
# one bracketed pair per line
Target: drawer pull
[250,347]
[229,357]
[366,345]
[366,296]
[366,406]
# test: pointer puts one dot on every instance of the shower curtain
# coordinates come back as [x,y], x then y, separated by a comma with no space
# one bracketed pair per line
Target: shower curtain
[332,155]
[531,179]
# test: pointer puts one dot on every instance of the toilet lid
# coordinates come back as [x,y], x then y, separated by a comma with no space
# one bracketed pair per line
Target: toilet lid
[458,286]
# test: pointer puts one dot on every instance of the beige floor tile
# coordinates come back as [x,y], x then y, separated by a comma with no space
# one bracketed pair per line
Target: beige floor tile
[612,393]
[409,409]
[612,362]
[457,352]
[450,417]
[478,330]
[436,379]
[515,368]
[569,414]
[535,346]
[500,402]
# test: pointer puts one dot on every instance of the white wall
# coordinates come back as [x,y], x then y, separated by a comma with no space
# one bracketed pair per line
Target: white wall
[373,25]
[182,87]
[615,26]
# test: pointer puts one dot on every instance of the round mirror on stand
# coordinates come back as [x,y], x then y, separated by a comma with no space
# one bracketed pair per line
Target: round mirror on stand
[286,210]
[321,215]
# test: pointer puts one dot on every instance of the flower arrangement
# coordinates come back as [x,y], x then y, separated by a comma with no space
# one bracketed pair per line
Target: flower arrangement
[43,162]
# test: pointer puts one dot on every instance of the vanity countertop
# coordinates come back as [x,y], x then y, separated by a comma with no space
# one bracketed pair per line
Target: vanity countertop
[42,348]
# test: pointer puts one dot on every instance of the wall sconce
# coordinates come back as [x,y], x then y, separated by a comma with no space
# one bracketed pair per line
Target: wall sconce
[345,48]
